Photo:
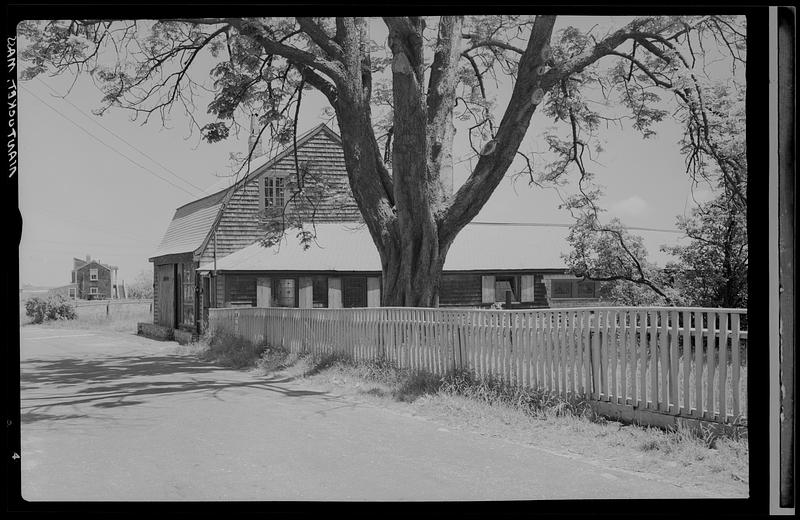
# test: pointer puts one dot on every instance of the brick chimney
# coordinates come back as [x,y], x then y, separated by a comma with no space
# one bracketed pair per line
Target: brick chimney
[253,143]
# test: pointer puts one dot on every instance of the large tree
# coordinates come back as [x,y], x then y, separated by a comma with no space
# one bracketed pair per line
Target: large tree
[428,69]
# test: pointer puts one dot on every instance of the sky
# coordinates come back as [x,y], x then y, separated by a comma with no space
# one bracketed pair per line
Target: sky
[108,187]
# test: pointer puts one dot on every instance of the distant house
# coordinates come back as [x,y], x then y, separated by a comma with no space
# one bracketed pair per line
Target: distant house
[92,280]
[210,255]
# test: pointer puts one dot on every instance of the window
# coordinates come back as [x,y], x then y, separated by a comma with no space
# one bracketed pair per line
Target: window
[354,291]
[93,290]
[573,289]
[504,284]
[274,192]
[561,288]
[284,292]
[240,290]
[93,275]
[72,290]
[320,299]
[585,289]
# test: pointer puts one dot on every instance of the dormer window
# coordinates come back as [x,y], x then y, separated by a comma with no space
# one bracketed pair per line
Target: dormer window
[93,275]
[274,192]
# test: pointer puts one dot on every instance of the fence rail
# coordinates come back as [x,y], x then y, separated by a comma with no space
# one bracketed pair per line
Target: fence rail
[112,308]
[690,362]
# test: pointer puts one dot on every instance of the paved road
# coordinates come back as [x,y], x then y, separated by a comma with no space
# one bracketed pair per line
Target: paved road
[110,416]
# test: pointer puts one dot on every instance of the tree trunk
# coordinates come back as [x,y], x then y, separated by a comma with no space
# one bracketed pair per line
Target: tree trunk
[412,270]
[410,212]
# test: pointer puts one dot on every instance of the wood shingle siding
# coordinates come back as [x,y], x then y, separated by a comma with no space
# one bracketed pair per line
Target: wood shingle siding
[460,289]
[242,221]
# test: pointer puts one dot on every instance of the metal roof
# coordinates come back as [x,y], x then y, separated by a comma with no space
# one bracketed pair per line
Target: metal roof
[479,246]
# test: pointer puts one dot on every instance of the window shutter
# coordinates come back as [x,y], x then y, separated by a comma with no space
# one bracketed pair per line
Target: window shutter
[487,292]
[373,291]
[527,282]
[306,292]
[264,292]
[335,293]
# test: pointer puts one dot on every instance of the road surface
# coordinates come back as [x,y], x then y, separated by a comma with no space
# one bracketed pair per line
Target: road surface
[112,416]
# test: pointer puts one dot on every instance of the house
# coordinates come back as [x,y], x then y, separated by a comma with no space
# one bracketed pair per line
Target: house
[485,263]
[211,256]
[210,228]
[92,280]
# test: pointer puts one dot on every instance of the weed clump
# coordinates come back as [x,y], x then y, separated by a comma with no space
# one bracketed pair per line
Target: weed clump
[232,351]
[273,358]
[531,401]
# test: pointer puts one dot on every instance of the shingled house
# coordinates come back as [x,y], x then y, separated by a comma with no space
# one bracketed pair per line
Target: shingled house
[210,255]
[92,280]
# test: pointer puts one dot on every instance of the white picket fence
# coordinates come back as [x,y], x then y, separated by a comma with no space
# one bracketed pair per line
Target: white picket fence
[689,362]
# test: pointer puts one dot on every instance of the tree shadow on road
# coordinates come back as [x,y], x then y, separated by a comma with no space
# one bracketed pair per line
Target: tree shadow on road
[120,381]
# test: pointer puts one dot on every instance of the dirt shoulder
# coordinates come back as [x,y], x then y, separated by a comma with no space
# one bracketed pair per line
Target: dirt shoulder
[717,466]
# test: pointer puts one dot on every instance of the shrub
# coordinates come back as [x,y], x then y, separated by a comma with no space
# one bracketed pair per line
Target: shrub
[35,309]
[60,308]
[55,307]
[230,350]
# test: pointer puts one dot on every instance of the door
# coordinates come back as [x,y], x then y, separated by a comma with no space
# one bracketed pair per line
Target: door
[206,297]
[166,295]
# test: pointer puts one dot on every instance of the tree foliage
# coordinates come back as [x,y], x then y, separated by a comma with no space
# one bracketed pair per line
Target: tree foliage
[142,286]
[712,269]
[400,99]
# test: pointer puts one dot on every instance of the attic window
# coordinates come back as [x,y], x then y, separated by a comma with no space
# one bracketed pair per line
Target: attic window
[274,192]
[93,275]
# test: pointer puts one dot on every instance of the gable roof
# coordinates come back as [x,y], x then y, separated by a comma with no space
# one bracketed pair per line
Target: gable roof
[478,247]
[90,262]
[191,225]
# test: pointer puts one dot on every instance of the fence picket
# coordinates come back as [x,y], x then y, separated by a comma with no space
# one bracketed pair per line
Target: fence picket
[723,366]
[735,365]
[663,346]
[711,346]
[602,353]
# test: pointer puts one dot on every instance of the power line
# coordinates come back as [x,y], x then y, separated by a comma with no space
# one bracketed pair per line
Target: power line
[550,224]
[106,144]
[93,120]
[84,223]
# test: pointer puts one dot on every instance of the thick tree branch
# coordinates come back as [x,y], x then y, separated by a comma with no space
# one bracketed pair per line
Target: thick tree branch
[318,36]
[257,31]
[491,168]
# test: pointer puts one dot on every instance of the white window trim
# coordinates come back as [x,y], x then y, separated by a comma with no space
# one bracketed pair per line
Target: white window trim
[72,292]
[270,180]
[93,275]
[93,290]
